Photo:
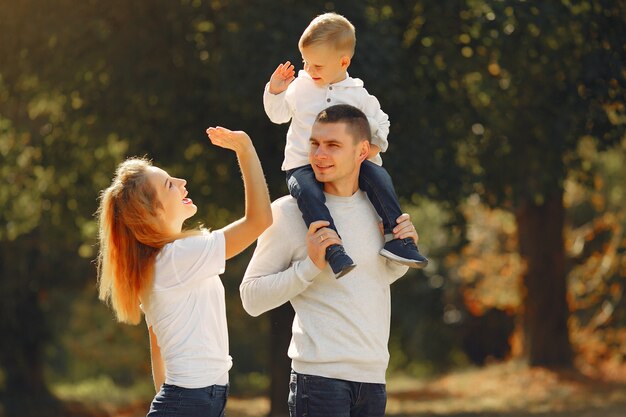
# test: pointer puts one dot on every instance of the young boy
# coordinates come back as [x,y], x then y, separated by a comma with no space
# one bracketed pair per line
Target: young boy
[327,46]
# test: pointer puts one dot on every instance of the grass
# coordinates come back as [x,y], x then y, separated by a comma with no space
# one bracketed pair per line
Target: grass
[509,389]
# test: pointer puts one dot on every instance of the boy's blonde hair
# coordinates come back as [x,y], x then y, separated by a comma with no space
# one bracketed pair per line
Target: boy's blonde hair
[332,29]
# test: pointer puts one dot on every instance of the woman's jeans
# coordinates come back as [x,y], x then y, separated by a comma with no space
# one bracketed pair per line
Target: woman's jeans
[174,401]
[317,396]
[373,179]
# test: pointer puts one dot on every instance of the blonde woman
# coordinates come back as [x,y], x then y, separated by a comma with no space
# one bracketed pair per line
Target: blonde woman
[148,262]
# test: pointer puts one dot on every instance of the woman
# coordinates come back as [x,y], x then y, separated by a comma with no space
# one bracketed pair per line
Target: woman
[147,262]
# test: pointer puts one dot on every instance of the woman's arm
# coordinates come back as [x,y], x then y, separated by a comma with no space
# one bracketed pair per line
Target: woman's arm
[158,368]
[258,216]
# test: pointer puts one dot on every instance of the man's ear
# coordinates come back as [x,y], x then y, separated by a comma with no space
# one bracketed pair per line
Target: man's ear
[345,61]
[364,150]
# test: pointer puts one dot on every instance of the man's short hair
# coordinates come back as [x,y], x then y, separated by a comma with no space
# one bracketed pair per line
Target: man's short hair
[332,29]
[356,121]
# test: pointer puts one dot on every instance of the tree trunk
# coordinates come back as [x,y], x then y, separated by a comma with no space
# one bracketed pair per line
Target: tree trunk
[26,393]
[280,364]
[545,309]
[24,333]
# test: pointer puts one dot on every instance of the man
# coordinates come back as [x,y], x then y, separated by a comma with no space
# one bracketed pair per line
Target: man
[341,327]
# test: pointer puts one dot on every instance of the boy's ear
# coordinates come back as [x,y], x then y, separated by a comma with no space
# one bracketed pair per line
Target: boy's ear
[345,61]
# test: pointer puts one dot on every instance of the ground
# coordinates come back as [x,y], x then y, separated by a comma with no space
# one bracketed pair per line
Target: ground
[499,390]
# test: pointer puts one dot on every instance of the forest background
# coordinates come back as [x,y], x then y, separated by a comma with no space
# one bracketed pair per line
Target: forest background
[507,146]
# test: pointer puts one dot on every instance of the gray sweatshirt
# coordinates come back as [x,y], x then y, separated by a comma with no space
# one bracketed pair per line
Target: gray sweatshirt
[341,326]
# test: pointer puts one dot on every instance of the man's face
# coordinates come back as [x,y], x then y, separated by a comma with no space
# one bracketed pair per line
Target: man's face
[334,155]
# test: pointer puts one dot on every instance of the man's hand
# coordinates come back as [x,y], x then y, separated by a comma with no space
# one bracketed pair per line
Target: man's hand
[318,238]
[281,78]
[405,228]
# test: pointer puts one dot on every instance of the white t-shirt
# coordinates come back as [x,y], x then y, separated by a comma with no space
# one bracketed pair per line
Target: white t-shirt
[187,311]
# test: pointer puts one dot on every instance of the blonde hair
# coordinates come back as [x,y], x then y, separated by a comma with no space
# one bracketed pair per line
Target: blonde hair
[130,235]
[332,29]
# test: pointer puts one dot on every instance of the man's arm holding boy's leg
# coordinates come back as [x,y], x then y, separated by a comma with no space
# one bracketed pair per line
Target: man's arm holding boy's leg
[280,268]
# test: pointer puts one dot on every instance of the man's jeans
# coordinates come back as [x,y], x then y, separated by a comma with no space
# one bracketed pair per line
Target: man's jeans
[373,179]
[317,396]
[174,401]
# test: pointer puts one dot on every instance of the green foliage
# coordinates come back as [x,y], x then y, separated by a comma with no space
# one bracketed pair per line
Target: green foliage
[104,392]
[498,94]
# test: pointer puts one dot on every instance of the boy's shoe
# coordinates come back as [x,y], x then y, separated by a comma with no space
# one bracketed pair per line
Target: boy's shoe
[339,261]
[404,251]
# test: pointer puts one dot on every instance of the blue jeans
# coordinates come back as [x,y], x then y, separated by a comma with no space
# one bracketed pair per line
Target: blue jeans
[317,396]
[373,179]
[174,401]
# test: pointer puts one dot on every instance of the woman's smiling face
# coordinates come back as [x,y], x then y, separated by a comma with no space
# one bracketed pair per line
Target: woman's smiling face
[172,195]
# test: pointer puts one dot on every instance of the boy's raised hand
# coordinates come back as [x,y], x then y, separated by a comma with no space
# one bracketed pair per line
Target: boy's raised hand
[282,77]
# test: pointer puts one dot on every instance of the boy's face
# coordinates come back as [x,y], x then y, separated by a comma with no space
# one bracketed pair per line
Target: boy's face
[324,64]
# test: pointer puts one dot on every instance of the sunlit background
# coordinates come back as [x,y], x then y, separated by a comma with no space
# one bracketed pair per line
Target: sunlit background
[507,147]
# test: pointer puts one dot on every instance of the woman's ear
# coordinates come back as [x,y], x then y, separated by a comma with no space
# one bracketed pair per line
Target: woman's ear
[159,212]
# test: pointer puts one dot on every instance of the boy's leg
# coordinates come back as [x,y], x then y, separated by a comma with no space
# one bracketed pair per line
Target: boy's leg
[376,182]
[309,194]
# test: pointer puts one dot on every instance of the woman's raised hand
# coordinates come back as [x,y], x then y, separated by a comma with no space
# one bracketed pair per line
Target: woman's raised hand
[241,233]
[236,140]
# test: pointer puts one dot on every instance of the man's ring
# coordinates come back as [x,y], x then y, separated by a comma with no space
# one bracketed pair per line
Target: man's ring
[322,238]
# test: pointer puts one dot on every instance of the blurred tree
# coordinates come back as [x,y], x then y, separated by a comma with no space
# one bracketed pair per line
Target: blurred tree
[514,87]
[50,173]
[484,97]
[596,244]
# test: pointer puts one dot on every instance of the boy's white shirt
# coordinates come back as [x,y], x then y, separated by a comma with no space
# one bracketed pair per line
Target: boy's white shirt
[302,101]
[341,326]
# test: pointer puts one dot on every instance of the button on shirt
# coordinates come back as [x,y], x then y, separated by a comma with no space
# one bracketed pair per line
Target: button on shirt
[304,100]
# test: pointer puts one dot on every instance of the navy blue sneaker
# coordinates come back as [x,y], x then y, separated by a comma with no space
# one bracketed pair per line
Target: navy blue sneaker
[339,261]
[404,251]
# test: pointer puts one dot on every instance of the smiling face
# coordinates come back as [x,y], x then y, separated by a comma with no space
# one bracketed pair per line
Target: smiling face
[336,157]
[326,65]
[171,193]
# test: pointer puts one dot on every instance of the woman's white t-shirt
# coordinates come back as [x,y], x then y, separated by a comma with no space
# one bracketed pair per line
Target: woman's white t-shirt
[187,311]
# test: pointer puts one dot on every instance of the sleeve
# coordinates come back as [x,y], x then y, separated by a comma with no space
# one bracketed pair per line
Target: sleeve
[277,106]
[378,120]
[199,256]
[273,277]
